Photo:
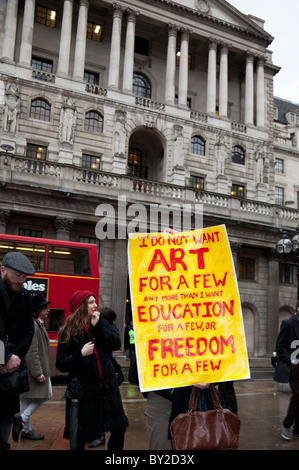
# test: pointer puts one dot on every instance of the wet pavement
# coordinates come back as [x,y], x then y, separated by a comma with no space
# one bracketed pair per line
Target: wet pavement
[262,406]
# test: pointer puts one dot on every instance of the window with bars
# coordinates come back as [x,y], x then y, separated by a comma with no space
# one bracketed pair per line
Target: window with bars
[91,162]
[27,232]
[285,273]
[197,182]
[91,77]
[135,167]
[279,165]
[247,268]
[94,31]
[42,64]
[93,122]
[40,109]
[39,152]
[279,195]
[238,155]
[198,145]
[141,85]
[45,16]
[237,190]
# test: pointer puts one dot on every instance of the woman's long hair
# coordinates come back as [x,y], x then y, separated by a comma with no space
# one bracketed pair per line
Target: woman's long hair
[74,324]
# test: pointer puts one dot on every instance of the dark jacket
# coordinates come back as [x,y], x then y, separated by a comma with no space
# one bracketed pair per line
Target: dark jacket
[289,332]
[101,407]
[18,322]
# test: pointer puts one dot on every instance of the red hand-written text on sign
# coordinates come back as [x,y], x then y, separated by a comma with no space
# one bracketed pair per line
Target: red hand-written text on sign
[189,346]
[176,256]
[152,313]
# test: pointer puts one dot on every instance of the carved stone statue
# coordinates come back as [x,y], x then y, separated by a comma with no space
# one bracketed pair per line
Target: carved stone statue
[221,155]
[11,108]
[178,152]
[119,133]
[68,119]
[259,167]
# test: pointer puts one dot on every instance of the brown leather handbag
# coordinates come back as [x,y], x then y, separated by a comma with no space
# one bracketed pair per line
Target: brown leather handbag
[216,429]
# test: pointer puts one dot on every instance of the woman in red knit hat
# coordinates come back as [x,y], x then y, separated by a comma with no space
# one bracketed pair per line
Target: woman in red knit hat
[84,350]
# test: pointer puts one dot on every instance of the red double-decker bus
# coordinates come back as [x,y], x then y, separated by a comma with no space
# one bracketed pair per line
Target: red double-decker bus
[61,268]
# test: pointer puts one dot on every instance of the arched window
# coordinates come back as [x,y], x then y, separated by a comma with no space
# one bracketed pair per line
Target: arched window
[141,86]
[238,155]
[93,122]
[40,109]
[198,145]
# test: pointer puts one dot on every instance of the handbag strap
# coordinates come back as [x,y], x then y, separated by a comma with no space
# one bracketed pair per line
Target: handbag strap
[194,398]
[215,397]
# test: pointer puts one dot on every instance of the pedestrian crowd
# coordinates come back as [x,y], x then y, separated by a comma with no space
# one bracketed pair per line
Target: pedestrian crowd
[86,342]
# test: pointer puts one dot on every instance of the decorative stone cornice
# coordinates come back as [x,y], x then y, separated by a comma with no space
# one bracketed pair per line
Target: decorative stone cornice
[205,17]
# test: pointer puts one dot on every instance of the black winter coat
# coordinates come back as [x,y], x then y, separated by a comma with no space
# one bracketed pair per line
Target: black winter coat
[101,407]
[289,332]
[18,322]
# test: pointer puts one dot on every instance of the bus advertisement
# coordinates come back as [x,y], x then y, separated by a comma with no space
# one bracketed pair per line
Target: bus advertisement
[61,268]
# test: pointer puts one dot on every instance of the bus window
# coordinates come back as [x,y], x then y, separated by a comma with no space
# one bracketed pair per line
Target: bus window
[68,260]
[55,320]
[34,252]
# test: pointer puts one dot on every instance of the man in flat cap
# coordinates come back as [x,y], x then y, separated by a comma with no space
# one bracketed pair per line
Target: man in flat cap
[17,321]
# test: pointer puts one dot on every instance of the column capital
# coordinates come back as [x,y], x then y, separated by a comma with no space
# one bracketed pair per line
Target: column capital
[250,56]
[261,59]
[63,224]
[185,33]
[225,46]
[173,29]
[132,14]
[212,43]
[118,9]
[84,3]
[235,247]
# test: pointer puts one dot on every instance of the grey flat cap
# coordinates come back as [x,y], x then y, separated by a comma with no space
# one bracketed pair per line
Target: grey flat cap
[18,262]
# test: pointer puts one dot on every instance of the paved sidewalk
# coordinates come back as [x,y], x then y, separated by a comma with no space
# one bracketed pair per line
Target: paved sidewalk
[261,409]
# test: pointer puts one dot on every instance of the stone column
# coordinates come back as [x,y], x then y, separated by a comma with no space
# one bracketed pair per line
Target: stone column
[65,38]
[27,33]
[183,72]
[80,50]
[223,81]
[113,78]
[211,87]
[171,64]
[273,299]
[260,93]
[249,90]
[129,53]
[63,227]
[120,277]
[9,40]
[235,249]
[4,216]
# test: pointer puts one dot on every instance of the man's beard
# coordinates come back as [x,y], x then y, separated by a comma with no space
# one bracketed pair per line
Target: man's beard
[12,286]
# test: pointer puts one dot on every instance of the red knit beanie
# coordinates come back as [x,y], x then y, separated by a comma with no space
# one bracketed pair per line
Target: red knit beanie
[77,298]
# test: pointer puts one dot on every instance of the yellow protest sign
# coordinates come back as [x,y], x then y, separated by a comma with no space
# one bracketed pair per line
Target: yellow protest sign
[186,309]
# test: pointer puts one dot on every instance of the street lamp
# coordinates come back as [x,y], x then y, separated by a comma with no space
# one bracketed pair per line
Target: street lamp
[284,246]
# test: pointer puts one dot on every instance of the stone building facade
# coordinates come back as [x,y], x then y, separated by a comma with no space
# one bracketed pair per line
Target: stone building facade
[152,103]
